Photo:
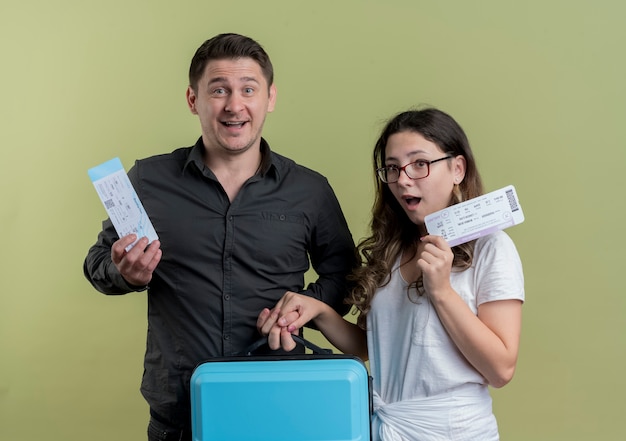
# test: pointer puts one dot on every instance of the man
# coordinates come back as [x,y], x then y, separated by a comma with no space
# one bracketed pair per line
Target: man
[237,225]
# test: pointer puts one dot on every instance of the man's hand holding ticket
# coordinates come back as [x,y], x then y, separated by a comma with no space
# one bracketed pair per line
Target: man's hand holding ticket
[477,217]
[121,201]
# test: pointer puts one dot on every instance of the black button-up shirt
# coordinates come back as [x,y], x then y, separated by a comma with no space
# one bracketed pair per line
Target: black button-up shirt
[223,261]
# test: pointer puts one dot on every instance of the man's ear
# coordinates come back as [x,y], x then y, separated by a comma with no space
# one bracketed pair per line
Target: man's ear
[272,98]
[191,100]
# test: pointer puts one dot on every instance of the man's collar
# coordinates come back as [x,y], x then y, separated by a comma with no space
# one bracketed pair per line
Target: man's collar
[197,156]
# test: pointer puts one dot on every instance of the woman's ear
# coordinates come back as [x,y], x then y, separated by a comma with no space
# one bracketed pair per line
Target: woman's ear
[459,169]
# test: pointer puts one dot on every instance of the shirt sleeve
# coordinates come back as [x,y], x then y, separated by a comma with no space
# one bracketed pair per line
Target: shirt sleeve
[332,252]
[499,274]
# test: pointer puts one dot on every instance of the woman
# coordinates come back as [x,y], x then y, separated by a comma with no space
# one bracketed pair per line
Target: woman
[439,325]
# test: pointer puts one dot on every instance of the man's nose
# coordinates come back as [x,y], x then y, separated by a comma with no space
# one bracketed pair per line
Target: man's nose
[234,103]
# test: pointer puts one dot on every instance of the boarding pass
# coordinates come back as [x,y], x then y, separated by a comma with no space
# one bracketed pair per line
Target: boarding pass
[121,201]
[476,217]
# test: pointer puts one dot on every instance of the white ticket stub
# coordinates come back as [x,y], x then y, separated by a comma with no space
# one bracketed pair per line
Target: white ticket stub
[121,201]
[477,217]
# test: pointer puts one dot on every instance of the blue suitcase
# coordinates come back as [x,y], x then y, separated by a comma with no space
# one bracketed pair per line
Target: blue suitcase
[318,396]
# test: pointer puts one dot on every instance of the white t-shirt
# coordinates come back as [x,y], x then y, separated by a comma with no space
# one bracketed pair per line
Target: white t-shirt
[411,354]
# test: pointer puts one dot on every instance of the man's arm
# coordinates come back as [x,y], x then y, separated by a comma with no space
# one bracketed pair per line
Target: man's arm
[333,255]
[113,270]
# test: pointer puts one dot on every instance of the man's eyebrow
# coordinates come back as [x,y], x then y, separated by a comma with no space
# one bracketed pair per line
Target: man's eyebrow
[249,79]
[225,80]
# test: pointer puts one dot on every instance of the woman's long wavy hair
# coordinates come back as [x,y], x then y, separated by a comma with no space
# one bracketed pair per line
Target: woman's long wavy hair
[391,229]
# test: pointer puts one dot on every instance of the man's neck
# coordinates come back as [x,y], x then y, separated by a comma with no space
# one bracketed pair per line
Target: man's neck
[232,171]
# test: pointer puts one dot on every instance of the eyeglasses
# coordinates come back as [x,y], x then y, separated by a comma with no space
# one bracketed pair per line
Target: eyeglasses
[414,170]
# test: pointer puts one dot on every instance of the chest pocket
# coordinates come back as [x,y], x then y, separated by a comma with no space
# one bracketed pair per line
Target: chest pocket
[427,328]
[279,242]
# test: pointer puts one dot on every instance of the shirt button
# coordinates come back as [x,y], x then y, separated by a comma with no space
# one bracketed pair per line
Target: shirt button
[282,217]
[227,337]
[226,296]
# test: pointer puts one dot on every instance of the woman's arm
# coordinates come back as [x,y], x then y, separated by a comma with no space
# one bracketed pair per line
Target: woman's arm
[294,310]
[488,340]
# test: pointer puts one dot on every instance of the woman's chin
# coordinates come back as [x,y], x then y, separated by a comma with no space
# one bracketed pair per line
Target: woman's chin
[415,217]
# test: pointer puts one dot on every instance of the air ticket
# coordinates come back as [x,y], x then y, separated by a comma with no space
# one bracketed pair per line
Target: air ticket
[121,201]
[476,217]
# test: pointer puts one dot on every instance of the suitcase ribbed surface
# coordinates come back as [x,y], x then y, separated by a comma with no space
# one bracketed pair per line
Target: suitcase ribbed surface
[293,399]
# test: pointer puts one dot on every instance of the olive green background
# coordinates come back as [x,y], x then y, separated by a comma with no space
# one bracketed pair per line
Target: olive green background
[538,86]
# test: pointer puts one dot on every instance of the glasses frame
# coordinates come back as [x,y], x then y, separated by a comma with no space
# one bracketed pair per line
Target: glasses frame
[382,171]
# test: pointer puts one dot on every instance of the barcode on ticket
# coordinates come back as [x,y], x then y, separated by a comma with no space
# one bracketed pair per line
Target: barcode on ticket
[510,195]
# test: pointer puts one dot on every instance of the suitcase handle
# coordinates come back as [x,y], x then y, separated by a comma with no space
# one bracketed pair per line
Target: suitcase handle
[307,344]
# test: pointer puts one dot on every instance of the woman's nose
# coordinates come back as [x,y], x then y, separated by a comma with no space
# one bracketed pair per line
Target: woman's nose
[403,178]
